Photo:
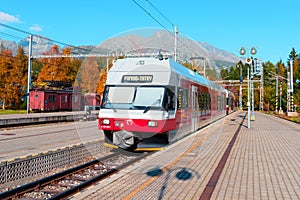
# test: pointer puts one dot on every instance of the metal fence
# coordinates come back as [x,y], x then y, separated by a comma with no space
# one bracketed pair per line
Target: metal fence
[20,171]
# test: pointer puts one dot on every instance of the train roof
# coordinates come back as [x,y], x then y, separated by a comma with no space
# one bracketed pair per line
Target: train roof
[164,71]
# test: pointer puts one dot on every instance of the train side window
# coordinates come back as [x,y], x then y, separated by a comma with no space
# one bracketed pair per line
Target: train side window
[208,103]
[200,101]
[52,98]
[64,99]
[187,98]
[74,99]
[183,100]
[180,99]
[219,103]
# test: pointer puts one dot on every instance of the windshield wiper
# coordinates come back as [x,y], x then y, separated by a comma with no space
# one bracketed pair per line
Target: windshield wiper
[154,103]
[147,109]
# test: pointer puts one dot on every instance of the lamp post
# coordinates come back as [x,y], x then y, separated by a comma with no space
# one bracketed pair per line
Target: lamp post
[29,73]
[241,88]
[253,52]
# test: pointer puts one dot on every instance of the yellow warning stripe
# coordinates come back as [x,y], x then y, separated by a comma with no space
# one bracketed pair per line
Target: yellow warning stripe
[152,179]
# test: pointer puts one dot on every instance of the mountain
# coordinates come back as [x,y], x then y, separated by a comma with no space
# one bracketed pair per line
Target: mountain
[164,41]
[135,43]
[39,45]
[12,45]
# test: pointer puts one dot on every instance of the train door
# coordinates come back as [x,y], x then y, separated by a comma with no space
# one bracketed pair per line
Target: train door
[194,108]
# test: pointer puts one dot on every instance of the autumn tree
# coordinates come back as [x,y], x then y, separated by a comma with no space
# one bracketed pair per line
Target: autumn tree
[5,68]
[19,76]
[88,75]
[102,78]
[50,66]
[62,69]
[13,76]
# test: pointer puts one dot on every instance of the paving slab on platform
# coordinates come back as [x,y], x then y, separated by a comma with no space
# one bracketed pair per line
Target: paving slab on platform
[263,163]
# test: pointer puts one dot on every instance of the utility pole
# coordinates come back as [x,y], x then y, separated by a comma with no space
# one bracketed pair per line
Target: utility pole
[241,89]
[252,90]
[175,43]
[261,102]
[291,86]
[276,94]
[29,73]
[291,110]
[280,94]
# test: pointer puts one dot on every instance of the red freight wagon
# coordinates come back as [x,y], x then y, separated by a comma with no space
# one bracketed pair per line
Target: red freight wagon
[54,100]
[92,99]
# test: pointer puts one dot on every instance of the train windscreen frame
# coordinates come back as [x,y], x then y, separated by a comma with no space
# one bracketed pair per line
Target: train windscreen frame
[134,97]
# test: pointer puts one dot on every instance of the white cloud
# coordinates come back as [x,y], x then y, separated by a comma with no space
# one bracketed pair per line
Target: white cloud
[4,17]
[35,27]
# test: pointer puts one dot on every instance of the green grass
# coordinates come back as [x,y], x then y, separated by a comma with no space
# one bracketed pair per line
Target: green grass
[295,119]
[5,112]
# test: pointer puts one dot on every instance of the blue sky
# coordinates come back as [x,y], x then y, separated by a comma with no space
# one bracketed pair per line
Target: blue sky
[270,26]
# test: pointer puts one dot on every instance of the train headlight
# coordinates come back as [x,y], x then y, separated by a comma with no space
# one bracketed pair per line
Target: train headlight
[152,123]
[105,121]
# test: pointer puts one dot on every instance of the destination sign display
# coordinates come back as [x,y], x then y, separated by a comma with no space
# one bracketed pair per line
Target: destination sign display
[137,78]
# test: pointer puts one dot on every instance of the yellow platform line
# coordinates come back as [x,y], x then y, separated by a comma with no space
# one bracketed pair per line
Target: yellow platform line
[152,179]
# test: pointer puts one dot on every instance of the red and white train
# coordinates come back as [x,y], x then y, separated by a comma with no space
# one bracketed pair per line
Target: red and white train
[149,103]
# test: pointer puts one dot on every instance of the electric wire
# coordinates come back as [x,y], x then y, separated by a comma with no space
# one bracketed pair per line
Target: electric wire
[148,13]
[42,37]
[11,36]
[161,13]
[164,16]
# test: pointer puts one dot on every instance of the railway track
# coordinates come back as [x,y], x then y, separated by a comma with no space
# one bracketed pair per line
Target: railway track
[48,132]
[65,184]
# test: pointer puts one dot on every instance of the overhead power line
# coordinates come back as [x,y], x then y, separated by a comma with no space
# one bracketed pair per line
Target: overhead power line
[161,13]
[161,24]
[42,37]
[148,13]
[9,35]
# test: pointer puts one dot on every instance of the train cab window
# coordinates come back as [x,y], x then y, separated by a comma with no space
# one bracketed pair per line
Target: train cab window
[118,97]
[170,104]
[134,97]
[149,96]
[36,96]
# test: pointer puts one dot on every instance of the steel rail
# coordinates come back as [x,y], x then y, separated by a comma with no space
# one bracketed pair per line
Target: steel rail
[39,184]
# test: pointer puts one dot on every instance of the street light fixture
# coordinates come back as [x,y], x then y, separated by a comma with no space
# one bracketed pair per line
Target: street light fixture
[253,52]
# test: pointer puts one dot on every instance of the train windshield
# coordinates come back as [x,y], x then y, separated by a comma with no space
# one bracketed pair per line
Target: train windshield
[138,98]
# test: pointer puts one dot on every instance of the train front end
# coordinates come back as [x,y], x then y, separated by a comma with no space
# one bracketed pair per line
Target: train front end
[138,106]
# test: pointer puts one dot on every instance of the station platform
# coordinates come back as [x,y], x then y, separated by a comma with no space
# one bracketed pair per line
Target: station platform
[225,160]
[47,117]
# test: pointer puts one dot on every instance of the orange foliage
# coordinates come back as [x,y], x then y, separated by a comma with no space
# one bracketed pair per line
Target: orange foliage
[13,77]
[59,69]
